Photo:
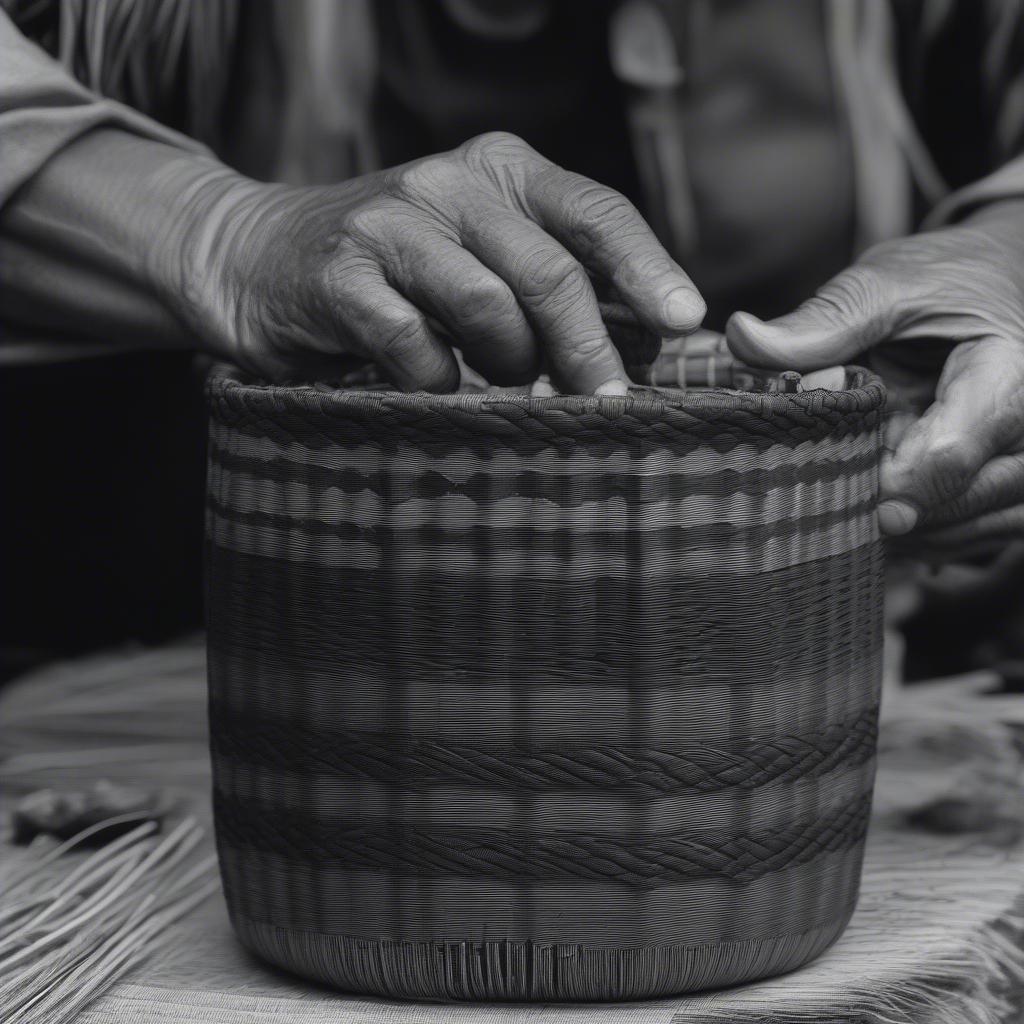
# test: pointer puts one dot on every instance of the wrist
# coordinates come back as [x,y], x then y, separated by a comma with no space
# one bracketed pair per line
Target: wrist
[146,214]
[204,215]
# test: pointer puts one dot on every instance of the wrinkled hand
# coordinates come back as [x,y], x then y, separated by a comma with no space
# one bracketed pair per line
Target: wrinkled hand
[488,247]
[946,310]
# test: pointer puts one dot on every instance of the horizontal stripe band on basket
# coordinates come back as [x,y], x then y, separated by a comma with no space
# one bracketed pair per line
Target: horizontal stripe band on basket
[747,763]
[550,714]
[685,814]
[661,539]
[493,676]
[312,509]
[565,490]
[635,860]
[736,556]
[578,466]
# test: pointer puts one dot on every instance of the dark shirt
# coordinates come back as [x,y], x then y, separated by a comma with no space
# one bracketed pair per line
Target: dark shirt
[763,143]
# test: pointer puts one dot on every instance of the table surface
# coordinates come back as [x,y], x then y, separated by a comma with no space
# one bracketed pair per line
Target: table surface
[938,935]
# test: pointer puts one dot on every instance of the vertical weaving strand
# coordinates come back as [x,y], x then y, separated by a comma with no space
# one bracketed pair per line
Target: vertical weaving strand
[542,698]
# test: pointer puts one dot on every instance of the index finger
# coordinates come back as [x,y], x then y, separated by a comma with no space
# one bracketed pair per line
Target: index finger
[606,232]
[556,296]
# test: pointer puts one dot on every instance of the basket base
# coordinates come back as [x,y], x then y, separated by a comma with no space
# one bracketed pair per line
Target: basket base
[524,971]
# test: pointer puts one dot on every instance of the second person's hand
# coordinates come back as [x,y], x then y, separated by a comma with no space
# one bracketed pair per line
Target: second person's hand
[942,315]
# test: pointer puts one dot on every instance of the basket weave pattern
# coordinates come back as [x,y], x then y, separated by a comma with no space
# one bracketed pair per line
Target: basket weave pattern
[562,698]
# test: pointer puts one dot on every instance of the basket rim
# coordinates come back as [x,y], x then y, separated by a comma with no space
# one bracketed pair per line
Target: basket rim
[867,394]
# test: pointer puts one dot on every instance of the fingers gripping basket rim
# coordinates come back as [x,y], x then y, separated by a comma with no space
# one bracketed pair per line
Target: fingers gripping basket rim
[702,412]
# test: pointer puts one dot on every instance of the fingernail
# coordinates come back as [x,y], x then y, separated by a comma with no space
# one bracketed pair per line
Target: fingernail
[684,309]
[542,387]
[896,517]
[612,387]
[754,341]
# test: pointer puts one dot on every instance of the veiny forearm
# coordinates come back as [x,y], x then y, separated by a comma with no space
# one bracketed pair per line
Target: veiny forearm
[88,247]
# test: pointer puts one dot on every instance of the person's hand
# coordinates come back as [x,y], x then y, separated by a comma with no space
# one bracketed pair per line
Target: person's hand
[946,309]
[488,247]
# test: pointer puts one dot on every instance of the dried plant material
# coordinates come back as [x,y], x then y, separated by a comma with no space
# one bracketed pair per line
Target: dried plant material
[66,935]
[65,814]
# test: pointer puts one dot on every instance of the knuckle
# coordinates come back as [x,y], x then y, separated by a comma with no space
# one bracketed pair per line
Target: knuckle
[597,210]
[495,141]
[651,265]
[496,148]
[410,179]
[345,270]
[547,276]
[366,224]
[588,348]
[400,331]
[644,267]
[479,303]
[432,179]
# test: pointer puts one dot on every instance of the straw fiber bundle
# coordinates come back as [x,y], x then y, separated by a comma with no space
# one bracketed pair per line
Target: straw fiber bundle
[67,935]
[542,698]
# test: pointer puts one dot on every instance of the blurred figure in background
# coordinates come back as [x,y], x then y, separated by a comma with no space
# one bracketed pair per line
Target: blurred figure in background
[786,155]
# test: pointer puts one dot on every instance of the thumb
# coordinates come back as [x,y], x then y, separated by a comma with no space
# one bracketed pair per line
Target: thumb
[855,310]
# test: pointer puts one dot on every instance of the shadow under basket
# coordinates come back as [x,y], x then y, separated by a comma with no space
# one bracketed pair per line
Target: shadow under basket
[542,698]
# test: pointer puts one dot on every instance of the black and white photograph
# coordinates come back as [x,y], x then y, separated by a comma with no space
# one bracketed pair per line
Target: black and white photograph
[513,511]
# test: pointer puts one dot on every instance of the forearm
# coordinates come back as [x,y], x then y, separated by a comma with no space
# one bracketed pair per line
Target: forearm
[91,246]
[488,244]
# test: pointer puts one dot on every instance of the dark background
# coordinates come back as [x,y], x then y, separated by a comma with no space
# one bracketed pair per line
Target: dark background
[102,471]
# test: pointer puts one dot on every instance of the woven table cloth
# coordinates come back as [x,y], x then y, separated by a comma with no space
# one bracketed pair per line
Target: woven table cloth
[938,936]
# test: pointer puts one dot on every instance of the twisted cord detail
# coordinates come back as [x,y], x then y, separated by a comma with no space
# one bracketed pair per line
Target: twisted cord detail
[637,860]
[414,762]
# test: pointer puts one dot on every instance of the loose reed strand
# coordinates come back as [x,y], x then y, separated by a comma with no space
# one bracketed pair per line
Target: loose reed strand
[58,900]
[146,828]
[90,980]
[107,913]
[38,984]
[84,912]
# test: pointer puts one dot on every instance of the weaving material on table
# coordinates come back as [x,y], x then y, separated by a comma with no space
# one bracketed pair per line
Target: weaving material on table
[560,698]
[938,936]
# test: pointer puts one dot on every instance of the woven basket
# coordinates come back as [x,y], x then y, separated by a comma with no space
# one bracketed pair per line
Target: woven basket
[560,698]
